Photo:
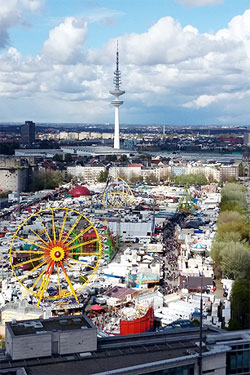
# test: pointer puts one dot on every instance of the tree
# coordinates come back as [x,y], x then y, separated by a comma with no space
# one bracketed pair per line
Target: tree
[241,227]
[103,176]
[4,194]
[233,206]
[145,157]
[123,158]
[68,158]
[240,300]
[234,196]
[232,258]
[216,252]
[233,187]
[8,148]
[230,216]
[235,261]
[151,178]
[46,179]
[134,178]
[231,179]
[57,157]
[122,175]
[190,179]
[111,157]
[69,177]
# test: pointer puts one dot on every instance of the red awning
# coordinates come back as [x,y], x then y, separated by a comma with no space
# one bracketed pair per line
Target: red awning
[96,308]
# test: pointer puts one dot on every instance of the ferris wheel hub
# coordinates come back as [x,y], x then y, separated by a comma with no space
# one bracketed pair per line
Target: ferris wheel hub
[57,253]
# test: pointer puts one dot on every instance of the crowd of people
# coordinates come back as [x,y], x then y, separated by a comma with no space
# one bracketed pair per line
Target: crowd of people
[169,282]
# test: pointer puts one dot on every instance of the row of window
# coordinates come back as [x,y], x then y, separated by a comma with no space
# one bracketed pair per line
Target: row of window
[238,362]
[181,370]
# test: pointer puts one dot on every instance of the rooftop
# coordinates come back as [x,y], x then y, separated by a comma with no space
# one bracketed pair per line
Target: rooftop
[119,352]
[31,327]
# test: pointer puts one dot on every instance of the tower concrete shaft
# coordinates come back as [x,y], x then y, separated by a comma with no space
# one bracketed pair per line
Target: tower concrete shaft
[117,92]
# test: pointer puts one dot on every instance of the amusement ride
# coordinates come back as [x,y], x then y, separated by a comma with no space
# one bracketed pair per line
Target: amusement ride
[55,253]
[116,194]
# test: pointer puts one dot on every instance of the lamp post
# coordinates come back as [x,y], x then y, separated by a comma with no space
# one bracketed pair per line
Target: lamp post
[200,336]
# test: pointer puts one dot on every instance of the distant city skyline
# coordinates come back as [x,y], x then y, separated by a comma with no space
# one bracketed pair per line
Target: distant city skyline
[182,61]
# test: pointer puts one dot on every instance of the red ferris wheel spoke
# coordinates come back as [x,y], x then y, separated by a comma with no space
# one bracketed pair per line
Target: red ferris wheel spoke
[58,277]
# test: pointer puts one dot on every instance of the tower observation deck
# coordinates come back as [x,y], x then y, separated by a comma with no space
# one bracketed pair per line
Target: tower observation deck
[117,92]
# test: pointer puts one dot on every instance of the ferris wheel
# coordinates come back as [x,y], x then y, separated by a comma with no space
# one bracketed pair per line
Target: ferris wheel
[55,253]
[117,194]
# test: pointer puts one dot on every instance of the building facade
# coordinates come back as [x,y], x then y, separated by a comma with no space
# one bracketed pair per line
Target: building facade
[87,173]
[28,133]
[14,174]
[70,345]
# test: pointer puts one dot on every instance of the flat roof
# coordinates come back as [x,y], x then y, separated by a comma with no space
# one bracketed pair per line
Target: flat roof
[118,352]
[65,323]
[97,150]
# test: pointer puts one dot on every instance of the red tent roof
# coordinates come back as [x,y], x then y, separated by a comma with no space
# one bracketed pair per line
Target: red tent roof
[78,191]
[96,308]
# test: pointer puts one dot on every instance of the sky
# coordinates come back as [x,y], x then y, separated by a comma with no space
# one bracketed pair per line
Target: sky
[182,62]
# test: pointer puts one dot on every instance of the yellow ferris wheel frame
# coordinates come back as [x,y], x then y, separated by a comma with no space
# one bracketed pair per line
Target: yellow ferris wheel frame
[118,198]
[54,251]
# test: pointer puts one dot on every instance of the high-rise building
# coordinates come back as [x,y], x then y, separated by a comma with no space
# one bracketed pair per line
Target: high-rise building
[28,133]
[117,102]
[247,139]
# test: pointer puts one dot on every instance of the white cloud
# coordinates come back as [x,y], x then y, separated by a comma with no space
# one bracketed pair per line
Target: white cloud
[168,69]
[199,3]
[12,14]
[66,41]
[32,5]
[202,101]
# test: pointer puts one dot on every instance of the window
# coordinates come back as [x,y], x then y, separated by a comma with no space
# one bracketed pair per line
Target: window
[238,362]
[180,370]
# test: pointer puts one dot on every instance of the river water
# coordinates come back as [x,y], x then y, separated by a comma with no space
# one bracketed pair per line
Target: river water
[209,157]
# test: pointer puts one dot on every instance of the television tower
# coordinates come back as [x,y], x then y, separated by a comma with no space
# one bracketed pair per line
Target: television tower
[117,102]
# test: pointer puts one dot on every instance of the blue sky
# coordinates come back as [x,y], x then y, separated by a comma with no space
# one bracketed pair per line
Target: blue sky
[182,61]
[130,16]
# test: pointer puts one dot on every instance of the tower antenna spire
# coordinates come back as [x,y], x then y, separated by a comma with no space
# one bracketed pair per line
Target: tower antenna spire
[117,102]
[117,55]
